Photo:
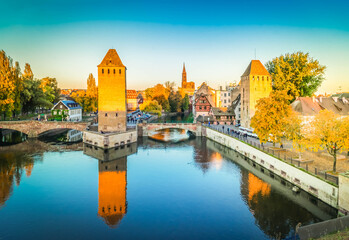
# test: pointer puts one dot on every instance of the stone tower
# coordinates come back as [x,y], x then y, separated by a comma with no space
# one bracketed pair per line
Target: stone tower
[255,84]
[184,77]
[111,93]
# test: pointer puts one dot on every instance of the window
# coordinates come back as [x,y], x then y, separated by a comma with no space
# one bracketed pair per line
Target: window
[116,114]
[225,101]
[102,70]
[228,100]
[225,94]
[114,71]
[229,94]
[253,77]
[262,78]
[60,107]
[54,112]
[267,78]
[106,114]
[108,71]
[257,78]
[200,108]
[119,71]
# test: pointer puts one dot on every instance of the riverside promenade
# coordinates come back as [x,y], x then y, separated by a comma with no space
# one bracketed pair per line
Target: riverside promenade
[331,190]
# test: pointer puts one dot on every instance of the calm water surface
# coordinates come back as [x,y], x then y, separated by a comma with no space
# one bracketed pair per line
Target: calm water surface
[194,189]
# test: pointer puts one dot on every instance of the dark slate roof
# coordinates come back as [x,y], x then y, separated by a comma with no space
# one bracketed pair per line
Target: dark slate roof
[69,104]
[216,111]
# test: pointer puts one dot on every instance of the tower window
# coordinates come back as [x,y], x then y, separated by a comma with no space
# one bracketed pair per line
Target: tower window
[262,78]
[108,71]
[257,78]
[253,77]
[119,71]
[102,71]
[106,114]
[116,114]
[114,71]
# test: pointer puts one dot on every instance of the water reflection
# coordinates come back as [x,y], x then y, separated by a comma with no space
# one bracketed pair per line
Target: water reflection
[12,166]
[10,137]
[112,181]
[170,135]
[61,136]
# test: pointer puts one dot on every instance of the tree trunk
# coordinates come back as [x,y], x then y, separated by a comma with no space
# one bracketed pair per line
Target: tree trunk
[334,161]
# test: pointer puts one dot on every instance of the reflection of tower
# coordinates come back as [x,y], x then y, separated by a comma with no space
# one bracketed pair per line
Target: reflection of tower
[112,205]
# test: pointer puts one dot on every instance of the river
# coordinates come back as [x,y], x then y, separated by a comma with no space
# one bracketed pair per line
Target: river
[192,189]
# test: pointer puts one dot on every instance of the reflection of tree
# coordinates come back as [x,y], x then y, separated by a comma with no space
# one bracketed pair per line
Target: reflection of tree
[12,166]
[275,214]
[112,205]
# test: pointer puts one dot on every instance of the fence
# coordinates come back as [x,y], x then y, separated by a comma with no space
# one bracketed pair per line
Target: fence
[279,153]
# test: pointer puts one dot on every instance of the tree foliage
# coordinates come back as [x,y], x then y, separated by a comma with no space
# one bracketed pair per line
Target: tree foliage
[328,131]
[185,103]
[88,99]
[175,100]
[157,90]
[163,102]
[297,73]
[7,85]
[271,117]
[152,107]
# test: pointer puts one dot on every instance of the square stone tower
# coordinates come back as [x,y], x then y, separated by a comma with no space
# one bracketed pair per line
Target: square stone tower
[111,93]
[255,84]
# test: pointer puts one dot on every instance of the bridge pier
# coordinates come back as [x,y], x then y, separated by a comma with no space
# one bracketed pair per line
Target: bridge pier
[144,129]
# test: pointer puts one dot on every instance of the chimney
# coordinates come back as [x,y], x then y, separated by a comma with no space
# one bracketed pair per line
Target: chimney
[220,88]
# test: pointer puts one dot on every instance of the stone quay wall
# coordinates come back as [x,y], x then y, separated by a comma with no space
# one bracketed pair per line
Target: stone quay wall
[325,191]
[110,140]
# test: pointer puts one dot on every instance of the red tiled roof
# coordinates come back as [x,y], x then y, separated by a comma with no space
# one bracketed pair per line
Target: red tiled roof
[111,59]
[131,94]
[255,68]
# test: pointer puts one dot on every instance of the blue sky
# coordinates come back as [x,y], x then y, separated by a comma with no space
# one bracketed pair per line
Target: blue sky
[216,39]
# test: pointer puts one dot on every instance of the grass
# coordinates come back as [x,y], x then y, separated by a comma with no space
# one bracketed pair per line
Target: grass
[341,235]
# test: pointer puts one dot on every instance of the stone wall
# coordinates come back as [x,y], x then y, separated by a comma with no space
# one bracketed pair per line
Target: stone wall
[343,200]
[317,187]
[109,140]
[34,128]
[147,128]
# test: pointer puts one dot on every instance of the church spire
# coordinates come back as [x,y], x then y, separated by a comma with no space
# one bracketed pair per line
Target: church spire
[184,68]
[184,77]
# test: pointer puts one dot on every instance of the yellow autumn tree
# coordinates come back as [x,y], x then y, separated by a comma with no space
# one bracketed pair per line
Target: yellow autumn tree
[297,73]
[271,117]
[294,132]
[328,131]
[7,85]
[91,94]
[151,106]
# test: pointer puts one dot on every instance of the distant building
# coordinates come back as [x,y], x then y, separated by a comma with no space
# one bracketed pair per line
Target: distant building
[132,100]
[111,93]
[222,115]
[236,107]
[202,106]
[255,84]
[187,87]
[225,96]
[67,110]
[308,107]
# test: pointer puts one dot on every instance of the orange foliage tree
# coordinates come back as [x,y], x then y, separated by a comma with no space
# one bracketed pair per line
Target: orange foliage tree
[271,117]
[328,131]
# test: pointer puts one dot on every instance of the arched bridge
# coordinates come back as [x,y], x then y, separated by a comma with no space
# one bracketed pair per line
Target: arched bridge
[145,128]
[34,128]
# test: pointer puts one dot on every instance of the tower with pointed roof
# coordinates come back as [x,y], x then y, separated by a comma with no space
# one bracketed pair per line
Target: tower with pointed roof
[255,84]
[111,93]
[184,76]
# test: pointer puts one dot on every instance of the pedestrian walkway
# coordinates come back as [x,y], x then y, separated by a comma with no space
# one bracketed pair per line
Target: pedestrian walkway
[318,163]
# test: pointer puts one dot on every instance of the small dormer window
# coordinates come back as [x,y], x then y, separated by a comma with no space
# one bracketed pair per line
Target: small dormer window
[119,71]
[102,71]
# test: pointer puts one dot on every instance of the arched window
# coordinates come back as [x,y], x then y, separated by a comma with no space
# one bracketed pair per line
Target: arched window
[119,71]
[108,71]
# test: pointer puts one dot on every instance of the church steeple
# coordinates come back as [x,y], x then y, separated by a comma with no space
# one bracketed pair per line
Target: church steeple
[184,76]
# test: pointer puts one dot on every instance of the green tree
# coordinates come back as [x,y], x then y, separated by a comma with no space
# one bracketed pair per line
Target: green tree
[50,88]
[297,73]
[151,107]
[185,103]
[163,102]
[34,97]
[175,100]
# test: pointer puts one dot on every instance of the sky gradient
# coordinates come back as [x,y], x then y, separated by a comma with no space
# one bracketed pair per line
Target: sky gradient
[216,39]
